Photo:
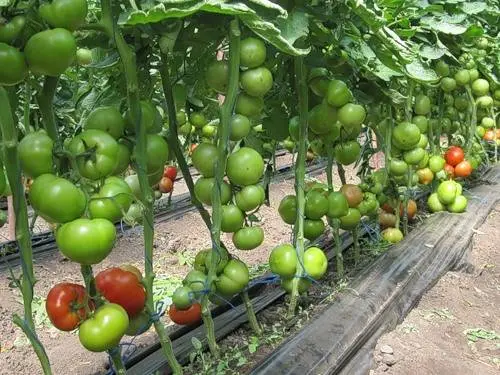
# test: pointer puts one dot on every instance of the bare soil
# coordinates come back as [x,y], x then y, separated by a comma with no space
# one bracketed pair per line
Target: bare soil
[186,235]
[441,335]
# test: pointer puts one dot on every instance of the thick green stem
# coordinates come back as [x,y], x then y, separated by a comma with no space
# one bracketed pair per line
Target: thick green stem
[473,120]
[46,104]
[409,100]
[116,358]
[26,107]
[435,134]
[301,85]
[341,172]
[173,139]
[226,112]
[13,169]
[128,59]
[405,200]
[252,319]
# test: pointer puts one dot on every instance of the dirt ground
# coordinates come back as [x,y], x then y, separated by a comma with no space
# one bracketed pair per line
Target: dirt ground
[174,242]
[454,330]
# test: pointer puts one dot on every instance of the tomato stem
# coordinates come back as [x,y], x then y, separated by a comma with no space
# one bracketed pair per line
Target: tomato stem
[46,104]
[252,319]
[13,169]
[302,88]
[128,59]
[473,119]
[355,242]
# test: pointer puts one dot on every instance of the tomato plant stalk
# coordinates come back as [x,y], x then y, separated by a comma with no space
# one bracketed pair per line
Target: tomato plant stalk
[128,60]
[26,284]
[301,84]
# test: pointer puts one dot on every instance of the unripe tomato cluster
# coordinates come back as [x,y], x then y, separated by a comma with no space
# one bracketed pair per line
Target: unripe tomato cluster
[448,197]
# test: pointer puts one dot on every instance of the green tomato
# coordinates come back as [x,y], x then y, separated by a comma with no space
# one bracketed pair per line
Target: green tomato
[68,14]
[422,104]
[333,135]
[107,119]
[368,205]
[83,56]
[86,241]
[180,118]
[316,205]
[14,68]
[422,122]
[104,329]
[35,154]
[222,257]
[288,209]
[398,167]
[474,74]
[139,324]
[183,297]
[250,197]
[480,131]
[434,203]
[351,220]
[436,163]
[348,152]
[209,131]
[406,136]
[244,167]
[252,52]
[458,205]
[248,238]
[56,199]
[217,76]
[303,285]
[11,30]
[151,118]
[487,122]
[134,215]
[351,115]
[197,119]
[249,106]
[203,190]
[442,68]
[96,153]
[3,218]
[313,228]
[461,103]
[447,191]
[156,151]
[315,262]
[256,81]
[199,260]
[415,156]
[240,127]
[283,261]
[232,218]
[123,157]
[196,281]
[50,52]
[462,77]
[338,94]
[322,118]
[233,279]
[204,157]
[448,84]
[424,162]
[485,101]
[112,200]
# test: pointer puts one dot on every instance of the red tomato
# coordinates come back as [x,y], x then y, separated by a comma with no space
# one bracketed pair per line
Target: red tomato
[123,288]
[65,305]
[387,208]
[166,185]
[183,317]
[170,171]
[463,169]
[454,155]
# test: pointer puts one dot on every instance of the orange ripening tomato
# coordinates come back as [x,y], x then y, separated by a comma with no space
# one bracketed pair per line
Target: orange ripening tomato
[166,185]
[412,209]
[463,169]
[454,155]
[450,171]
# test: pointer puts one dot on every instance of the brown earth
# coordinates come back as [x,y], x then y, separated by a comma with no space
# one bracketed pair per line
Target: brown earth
[442,335]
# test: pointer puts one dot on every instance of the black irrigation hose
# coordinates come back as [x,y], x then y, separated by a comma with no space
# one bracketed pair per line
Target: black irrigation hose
[44,243]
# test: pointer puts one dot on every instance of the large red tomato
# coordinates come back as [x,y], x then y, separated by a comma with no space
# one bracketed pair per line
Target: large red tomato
[65,306]
[188,316]
[454,155]
[123,288]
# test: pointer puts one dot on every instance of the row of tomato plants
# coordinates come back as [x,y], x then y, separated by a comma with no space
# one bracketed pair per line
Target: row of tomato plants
[78,182]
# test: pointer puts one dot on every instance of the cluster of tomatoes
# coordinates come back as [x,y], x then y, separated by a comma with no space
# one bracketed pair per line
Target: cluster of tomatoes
[47,52]
[166,184]
[69,307]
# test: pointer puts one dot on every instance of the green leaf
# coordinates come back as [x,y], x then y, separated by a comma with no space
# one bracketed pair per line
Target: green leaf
[276,125]
[475,7]
[196,343]
[269,5]
[431,52]
[418,71]
[474,31]
[443,26]
[4,3]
